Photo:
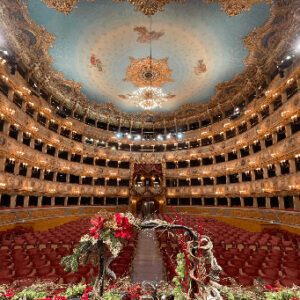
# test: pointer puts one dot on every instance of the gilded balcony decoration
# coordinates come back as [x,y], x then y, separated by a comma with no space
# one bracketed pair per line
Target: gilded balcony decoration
[148,71]
[147,191]
[150,7]
[235,7]
[36,40]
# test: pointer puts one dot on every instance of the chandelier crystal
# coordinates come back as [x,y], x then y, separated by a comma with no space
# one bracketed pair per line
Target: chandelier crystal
[149,98]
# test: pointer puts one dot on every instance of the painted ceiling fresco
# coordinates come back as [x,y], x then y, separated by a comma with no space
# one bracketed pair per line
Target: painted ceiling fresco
[105,47]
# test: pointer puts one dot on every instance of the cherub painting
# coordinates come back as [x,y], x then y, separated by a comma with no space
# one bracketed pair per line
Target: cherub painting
[201,67]
[96,63]
[144,36]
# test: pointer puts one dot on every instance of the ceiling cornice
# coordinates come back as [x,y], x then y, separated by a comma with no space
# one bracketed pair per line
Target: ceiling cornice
[31,44]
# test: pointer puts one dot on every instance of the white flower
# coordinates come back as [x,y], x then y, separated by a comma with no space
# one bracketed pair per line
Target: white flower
[86,238]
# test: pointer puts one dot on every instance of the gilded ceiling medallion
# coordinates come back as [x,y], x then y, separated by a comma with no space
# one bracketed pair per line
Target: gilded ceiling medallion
[283,21]
[148,72]
[63,6]
[150,7]
[145,36]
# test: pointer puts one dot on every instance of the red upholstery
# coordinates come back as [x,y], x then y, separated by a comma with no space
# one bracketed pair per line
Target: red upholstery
[72,278]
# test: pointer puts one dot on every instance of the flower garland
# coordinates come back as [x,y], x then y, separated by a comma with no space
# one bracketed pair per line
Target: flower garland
[112,229]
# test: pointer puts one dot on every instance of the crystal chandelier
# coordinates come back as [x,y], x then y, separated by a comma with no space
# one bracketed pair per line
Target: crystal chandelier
[149,97]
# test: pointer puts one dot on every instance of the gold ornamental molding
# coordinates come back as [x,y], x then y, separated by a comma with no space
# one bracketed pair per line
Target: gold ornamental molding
[235,7]
[148,72]
[150,7]
[266,44]
[63,6]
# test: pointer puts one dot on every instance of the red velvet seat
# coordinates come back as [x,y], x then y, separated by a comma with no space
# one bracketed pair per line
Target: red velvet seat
[262,252]
[23,272]
[237,262]
[270,272]
[251,271]
[51,277]
[33,251]
[245,280]
[6,280]
[72,278]
[291,272]
[60,271]
[289,281]
[231,271]
[5,273]
[28,281]
[39,263]
[272,263]
[254,263]
[43,271]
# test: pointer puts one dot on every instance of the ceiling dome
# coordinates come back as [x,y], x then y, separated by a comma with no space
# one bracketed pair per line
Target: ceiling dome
[104,47]
[96,55]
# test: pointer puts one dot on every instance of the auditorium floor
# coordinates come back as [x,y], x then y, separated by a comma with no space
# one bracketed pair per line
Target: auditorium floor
[147,263]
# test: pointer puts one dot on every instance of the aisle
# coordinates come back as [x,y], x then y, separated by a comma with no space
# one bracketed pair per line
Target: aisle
[147,263]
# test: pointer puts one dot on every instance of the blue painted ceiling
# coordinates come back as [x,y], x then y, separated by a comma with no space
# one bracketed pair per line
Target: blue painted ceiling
[202,44]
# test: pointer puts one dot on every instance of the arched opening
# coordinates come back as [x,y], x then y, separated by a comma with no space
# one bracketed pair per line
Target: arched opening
[147,207]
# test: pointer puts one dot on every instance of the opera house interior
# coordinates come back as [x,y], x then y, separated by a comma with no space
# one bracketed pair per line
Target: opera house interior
[149,149]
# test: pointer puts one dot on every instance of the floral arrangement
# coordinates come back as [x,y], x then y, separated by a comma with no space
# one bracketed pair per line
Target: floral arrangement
[109,231]
[260,291]
[112,229]
[107,236]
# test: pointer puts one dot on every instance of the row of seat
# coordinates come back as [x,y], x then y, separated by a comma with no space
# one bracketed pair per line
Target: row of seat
[32,255]
[243,260]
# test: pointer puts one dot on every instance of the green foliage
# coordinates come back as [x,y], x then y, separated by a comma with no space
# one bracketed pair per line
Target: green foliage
[110,296]
[179,291]
[283,295]
[72,261]
[181,265]
[261,295]
[74,291]
[30,294]
[231,296]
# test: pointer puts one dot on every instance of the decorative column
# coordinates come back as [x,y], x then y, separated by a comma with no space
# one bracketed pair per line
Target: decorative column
[255,202]
[288,130]
[268,202]
[39,204]
[296,199]
[242,202]
[228,201]
[2,163]
[13,201]
[281,202]
[6,126]
[292,165]
[26,201]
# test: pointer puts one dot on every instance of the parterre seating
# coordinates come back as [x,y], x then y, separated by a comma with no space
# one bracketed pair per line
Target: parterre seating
[271,255]
[31,255]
